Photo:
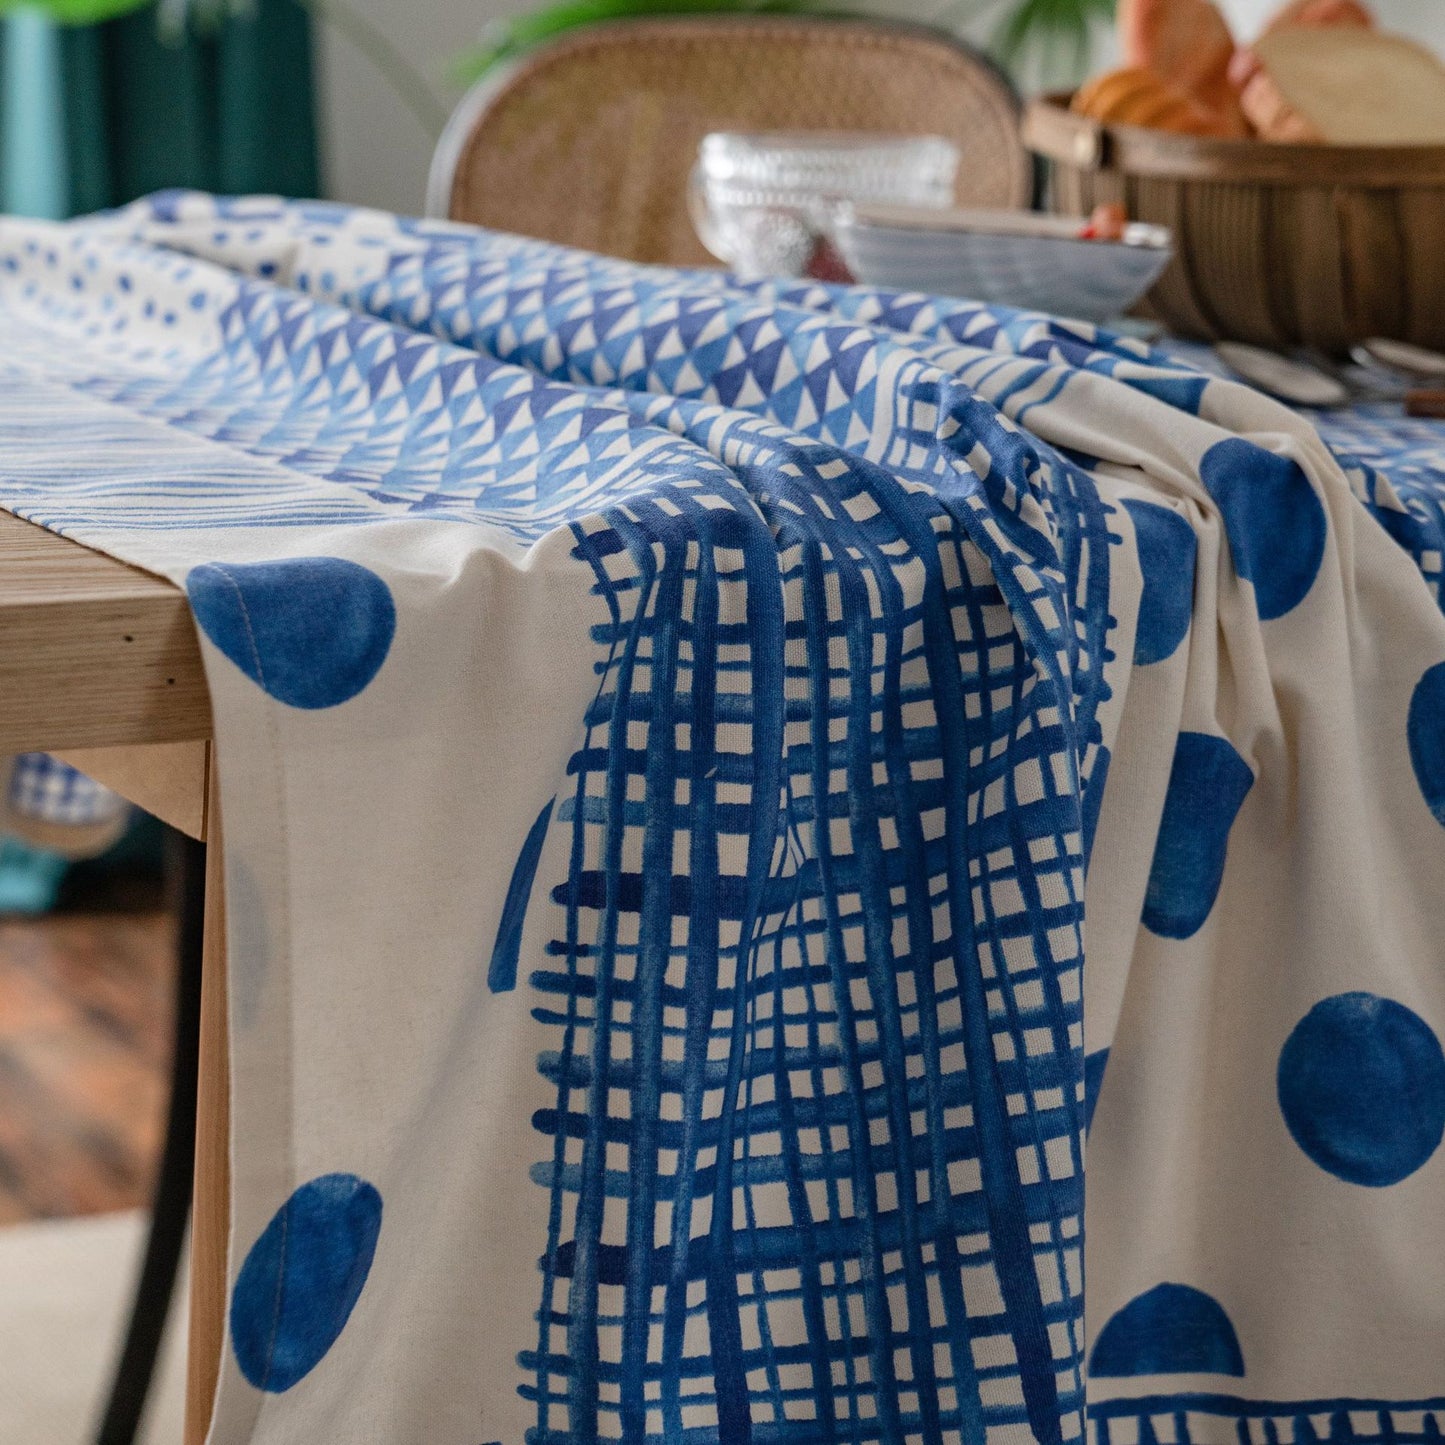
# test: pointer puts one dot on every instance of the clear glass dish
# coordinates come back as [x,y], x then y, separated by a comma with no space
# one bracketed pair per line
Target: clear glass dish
[763,203]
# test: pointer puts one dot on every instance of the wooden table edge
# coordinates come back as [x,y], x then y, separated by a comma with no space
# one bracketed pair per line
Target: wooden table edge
[93,652]
[100,663]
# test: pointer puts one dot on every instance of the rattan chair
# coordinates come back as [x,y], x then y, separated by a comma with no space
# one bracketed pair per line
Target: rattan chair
[588,140]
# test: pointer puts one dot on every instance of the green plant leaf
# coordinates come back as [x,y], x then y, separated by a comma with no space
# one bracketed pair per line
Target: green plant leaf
[1032,21]
[505,38]
[75,12]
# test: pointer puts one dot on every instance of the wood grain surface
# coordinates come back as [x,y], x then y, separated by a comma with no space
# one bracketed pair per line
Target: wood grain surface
[93,653]
[1279,245]
[211,1220]
[168,780]
[85,1040]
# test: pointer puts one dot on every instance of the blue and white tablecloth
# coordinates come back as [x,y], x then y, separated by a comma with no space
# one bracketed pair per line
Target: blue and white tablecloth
[724,788]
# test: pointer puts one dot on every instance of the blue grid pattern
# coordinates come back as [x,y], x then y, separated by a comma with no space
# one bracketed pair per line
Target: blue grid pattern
[783,1205]
[849,634]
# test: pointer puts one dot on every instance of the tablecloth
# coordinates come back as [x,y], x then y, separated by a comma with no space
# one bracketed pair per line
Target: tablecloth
[725,788]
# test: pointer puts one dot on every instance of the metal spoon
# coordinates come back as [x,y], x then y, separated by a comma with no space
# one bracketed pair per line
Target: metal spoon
[1291,380]
[1414,362]
[1417,374]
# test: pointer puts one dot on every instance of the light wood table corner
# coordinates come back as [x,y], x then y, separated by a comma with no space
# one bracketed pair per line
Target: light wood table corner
[100,664]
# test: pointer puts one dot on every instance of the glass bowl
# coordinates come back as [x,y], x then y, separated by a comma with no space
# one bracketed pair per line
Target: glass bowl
[763,203]
[1016,258]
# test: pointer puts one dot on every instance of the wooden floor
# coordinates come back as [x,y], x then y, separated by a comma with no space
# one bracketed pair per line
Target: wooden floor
[85,1037]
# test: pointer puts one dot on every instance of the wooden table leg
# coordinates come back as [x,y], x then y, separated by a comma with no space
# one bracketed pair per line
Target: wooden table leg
[175,1185]
[211,1219]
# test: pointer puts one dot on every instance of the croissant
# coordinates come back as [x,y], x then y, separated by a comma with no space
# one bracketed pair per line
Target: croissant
[1135,95]
[1188,44]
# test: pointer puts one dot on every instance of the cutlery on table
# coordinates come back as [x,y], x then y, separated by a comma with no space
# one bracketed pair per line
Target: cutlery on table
[1421,370]
[1416,362]
[1383,371]
[1299,382]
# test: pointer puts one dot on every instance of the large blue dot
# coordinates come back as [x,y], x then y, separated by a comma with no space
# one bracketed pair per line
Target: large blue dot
[1207,786]
[1425,731]
[302,1279]
[1172,1329]
[1274,521]
[1362,1088]
[311,631]
[1167,548]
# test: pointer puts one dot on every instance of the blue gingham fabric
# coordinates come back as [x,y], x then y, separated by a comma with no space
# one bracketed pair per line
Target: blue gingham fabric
[725,789]
[48,805]
[49,791]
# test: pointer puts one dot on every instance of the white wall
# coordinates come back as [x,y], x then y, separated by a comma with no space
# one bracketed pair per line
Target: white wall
[1422,19]
[376,152]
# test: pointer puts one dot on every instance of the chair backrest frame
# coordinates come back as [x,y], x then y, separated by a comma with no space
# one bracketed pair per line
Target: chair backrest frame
[914,73]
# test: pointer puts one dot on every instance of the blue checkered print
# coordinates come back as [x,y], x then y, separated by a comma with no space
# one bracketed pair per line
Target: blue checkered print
[776,1184]
[49,791]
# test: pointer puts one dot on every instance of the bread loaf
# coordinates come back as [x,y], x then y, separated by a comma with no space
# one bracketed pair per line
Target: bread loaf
[1323,13]
[1345,85]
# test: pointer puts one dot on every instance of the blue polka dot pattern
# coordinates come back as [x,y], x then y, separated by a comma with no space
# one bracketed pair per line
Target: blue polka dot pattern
[302,1279]
[1172,1329]
[1167,548]
[1362,1088]
[311,631]
[1207,786]
[1425,731]
[1274,520]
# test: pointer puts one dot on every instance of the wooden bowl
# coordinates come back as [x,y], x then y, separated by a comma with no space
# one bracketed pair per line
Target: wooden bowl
[1279,245]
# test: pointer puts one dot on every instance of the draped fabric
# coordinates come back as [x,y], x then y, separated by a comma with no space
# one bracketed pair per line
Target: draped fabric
[93,116]
[803,864]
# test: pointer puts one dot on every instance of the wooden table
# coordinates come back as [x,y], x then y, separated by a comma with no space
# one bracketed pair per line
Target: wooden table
[99,662]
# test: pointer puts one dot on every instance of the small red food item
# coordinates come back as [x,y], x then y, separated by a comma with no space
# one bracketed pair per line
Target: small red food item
[826,263]
[1429,403]
[1105,223]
